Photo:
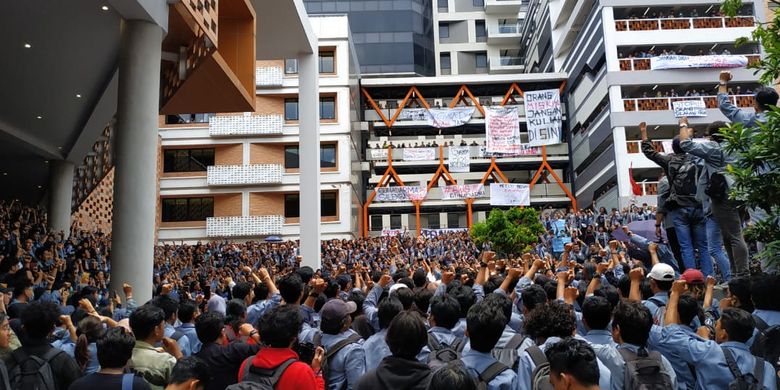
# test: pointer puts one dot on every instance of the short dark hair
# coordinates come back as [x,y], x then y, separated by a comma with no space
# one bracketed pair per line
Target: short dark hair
[406,335]
[713,130]
[533,296]
[405,296]
[576,358]
[634,321]
[280,326]
[500,302]
[624,285]
[261,291]
[740,288]
[766,98]
[445,310]
[738,323]
[39,318]
[553,319]
[241,290]
[664,285]
[305,273]
[359,297]
[332,289]
[609,292]
[452,376]
[466,298]
[187,310]
[688,308]
[290,288]
[209,326]
[115,348]
[332,325]
[596,312]
[235,309]
[485,323]
[419,278]
[191,368]
[167,304]
[144,319]
[388,309]
[764,291]
[422,299]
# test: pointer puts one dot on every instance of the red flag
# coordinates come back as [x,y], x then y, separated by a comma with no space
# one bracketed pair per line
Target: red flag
[635,187]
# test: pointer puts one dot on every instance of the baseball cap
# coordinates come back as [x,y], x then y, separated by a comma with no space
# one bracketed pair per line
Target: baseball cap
[662,272]
[336,308]
[692,276]
[397,287]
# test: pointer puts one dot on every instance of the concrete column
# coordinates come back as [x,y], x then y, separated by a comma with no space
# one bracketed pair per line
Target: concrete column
[309,157]
[135,180]
[60,195]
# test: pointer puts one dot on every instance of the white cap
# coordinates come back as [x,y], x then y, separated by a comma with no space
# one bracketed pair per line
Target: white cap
[662,272]
[397,286]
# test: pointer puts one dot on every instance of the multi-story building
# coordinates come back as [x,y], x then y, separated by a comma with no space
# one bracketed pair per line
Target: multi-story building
[390,37]
[391,133]
[605,47]
[236,175]
[478,36]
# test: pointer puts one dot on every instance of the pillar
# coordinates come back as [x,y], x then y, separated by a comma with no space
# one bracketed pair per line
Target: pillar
[309,156]
[135,180]
[60,195]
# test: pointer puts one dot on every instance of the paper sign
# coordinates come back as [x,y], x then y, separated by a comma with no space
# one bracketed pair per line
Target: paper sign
[378,154]
[544,117]
[510,194]
[502,129]
[460,157]
[419,154]
[689,108]
[685,62]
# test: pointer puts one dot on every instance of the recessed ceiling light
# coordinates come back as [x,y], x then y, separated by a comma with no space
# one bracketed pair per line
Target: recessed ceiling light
[27,45]
[104,8]
[39,117]
[45,161]
[5,173]
[59,147]
[39,187]
[78,95]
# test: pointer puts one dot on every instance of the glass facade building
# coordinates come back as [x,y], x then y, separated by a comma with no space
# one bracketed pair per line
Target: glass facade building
[390,36]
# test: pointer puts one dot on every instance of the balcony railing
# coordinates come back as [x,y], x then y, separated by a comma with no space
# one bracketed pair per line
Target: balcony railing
[683,23]
[269,76]
[475,152]
[242,125]
[630,64]
[254,225]
[227,175]
[665,103]
[540,190]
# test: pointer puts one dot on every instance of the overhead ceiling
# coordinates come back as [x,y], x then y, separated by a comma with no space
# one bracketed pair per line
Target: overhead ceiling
[50,89]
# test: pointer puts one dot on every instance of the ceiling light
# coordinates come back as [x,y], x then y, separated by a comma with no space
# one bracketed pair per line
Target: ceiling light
[59,147]
[78,95]
[27,45]
[39,187]
[714,46]
[655,87]
[45,161]
[646,11]
[39,117]
[656,128]
[5,173]
[104,8]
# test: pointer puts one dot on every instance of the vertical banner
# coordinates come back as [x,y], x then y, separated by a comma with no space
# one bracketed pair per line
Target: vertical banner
[544,116]
[502,130]
[460,159]
[510,194]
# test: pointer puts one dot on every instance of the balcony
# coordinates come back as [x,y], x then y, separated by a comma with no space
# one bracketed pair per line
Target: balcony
[632,64]
[506,64]
[540,193]
[507,7]
[665,103]
[254,225]
[232,175]
[504,34]
[476,152]
[269,76]
[683,23]
[244,125]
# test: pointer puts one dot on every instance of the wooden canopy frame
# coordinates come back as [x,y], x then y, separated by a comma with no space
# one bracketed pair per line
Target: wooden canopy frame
[390,173]
[413,93]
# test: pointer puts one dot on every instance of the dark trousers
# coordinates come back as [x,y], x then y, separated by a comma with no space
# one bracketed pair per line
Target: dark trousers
[730,223]
[671,235]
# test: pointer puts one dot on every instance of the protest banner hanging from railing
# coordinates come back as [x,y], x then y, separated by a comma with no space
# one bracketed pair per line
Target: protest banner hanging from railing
[502,130]
[460,159]
[544,117]
[510,194]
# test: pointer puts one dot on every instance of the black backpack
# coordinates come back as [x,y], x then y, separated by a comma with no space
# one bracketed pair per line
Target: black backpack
[717,187]
[683,176]
[750,381]
[540,377]
[256,378]
[490,373]
[644,370]
[441,354]
[332,351]
[766,344]
[508,355]
[32,372]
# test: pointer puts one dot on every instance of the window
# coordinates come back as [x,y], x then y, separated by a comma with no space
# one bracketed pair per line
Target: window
[481,60]
[291,109]
[328,205]
[291,66]
[445,61]
[453,220]
[444,30]
[327,62]
[443,5]
[376,223]
[434,221]
[187,160]
[479,26]
[187,209]
[328,107]
[395,221]
[327,156]
[479,3]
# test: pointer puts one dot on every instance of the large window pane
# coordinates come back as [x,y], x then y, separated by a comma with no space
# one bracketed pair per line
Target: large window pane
[327,62]
[291,157]
[453,220]
[481,60]
[291,66]
[292,206]
[329,204]
[395,221]
[376,223]
[444,30]
[328,108]
[291,109]
[187,209]
[445,61]
[328,156]
[187,160]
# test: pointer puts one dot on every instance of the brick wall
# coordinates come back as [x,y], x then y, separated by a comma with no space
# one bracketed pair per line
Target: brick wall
[266,105]
[266,153]
[96,212]
[229,154]
[266,203]
[227,205]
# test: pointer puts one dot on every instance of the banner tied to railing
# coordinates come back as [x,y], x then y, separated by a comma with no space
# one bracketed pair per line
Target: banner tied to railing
[460,159]
[524,150]
[401,193]
[464,191]
[689,108]
[709,61]
[438,117]
[502,130]
[378,154]
[544,117]
[419,154]
[510,194]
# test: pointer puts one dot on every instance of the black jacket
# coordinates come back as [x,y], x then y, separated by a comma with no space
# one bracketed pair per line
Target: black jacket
[224,362]
[64,368]
[395,373]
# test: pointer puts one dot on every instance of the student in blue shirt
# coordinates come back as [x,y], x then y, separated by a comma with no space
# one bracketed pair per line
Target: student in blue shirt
[188,311]
[445,311]
[660,278]
[171,307]
[484,325]
[596,317]
[376,347]
[764,291]
[573,365]
[349,363]
[267,296]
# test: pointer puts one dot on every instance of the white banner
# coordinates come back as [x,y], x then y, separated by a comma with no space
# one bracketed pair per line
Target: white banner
[449,117]
[419,154]
[502,129]
[416,192]
[377,154]
[460,159]
[524,150]
[689,108]
[392,232]
[430,233]
[510,194]
[544,117]
[414,114]
[684,62]
[464,191]
[400,194]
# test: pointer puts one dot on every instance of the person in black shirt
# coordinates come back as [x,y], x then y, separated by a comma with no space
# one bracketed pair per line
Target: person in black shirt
[190,373]
[113,351]
[223,360]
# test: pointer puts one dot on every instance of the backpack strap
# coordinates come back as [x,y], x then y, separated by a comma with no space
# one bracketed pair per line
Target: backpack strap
[760,323]
[341,344]
[433,344]
[515,342]
[127,381]
[731,363]
[247,364]
[274,374]
[51,354]
[758,371]
[657,302]
[458,344]
[492,371]
[177,334]
[537,356]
